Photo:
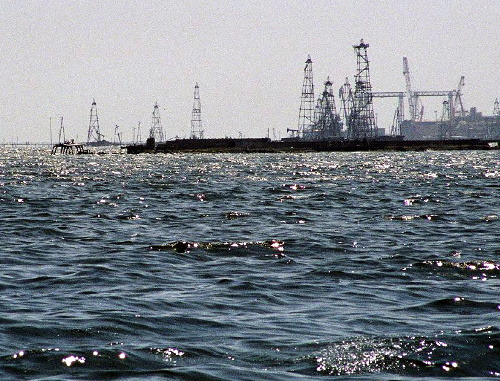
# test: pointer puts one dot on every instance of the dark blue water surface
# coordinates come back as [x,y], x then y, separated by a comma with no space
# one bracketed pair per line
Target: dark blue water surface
[308,266]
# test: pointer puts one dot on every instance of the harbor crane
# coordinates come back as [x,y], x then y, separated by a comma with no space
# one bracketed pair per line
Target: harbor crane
[414,102]
[458,105]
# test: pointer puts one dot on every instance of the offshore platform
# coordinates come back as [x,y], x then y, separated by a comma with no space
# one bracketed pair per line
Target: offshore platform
[351,127]
[355,120]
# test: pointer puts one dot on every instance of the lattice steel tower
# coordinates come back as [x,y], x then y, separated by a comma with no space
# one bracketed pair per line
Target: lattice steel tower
[362,115]
[306,113]
[94,134]
[327,123]
[196,126]
[156,130]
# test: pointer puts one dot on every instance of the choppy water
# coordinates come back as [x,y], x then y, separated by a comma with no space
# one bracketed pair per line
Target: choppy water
[249,267]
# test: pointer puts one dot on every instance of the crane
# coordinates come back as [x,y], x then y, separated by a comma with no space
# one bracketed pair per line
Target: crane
[458,97]
[412,99]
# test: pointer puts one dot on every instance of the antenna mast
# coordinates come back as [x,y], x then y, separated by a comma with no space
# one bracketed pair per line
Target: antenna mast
[156,130]
[306,113]
[94,134]
[196,126]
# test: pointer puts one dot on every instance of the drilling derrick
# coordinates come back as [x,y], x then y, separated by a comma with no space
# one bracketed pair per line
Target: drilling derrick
[327,122]
[94,135]
[496,108]
[156,130]
[306,113]
[446,120]
[196,126]
[346,99]
[362,115]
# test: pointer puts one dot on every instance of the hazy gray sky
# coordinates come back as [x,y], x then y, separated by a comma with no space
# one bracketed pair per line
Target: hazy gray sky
[247,56]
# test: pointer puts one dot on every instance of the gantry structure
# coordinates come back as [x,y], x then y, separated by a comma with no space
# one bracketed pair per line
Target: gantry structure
[196,125]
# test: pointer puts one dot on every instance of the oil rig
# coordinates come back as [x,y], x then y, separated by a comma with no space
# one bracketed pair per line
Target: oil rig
[196,125]
[351,127]
[356,119]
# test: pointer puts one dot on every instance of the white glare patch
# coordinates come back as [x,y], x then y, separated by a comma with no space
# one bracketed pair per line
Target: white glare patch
[70,360]
[18,354]
[122,356]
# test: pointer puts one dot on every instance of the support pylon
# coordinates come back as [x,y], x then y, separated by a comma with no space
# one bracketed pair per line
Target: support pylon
[196,126]
[306,113]
[94,134]
[363,117]
[496,108]
[156,130]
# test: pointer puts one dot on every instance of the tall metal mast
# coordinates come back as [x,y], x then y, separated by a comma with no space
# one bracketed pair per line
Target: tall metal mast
[363,117]
[94,134]
[139,136]
[62,134]
[496,108]
[347,100]
[306,113]
[156,130]
[196,126]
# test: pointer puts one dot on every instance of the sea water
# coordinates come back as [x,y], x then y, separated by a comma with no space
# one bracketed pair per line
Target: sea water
[307,266]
